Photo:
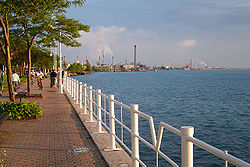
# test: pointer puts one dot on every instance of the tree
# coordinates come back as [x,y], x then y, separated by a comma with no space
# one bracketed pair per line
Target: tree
[47,24]
[88,66]
[33,19]
[76,68]
[41,58]
[8,10]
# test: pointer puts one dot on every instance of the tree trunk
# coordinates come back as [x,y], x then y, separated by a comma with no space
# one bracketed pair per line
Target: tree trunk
[6,52]
[43,68]
[29,69]
[9,74]
[21,69]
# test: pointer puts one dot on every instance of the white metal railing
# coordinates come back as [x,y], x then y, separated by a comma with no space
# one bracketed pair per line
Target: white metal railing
[94,103]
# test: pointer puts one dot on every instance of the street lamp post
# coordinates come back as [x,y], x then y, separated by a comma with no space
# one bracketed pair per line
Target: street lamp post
[60,61]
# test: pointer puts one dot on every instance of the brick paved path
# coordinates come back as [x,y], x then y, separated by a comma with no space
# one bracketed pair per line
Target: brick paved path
[49,140]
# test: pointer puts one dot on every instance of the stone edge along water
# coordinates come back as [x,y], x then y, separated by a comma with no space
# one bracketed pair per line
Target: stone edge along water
[117,158]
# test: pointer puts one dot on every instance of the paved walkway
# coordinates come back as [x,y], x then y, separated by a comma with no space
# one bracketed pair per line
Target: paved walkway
[51,140]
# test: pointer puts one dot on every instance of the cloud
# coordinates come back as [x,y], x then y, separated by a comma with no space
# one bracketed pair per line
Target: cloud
[188,43]
[104,49]
[100,40]
[158,49]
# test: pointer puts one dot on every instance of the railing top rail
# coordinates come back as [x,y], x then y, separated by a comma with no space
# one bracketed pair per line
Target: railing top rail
[121,104]
[170,128]
[105,96]
[217,152]
[146,116]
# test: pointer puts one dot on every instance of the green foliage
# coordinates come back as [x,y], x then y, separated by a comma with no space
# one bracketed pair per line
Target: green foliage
[76,68]
[101,69]
[41,57]
[20,110]
[23,79]
[88,66]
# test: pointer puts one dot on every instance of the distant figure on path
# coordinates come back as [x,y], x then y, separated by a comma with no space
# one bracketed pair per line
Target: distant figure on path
[53,76]
[15,79]
[39,80]
[1,82]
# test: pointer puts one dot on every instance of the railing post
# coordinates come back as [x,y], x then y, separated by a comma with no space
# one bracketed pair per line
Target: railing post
[70,84]
[226,162]
[186,146]
[80,95]
[134,132]
[84,98]
[90,104]
[67,84]
[69,79]
[64,85]
[77,92]
[71,87]
[112,122]
[74,89]
[99,111]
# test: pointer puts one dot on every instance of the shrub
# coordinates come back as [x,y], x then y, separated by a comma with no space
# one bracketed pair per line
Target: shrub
[20,110]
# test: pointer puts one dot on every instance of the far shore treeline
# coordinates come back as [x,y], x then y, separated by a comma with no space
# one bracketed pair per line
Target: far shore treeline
[30,29]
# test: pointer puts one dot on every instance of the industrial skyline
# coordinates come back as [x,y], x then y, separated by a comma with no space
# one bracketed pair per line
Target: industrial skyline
[165,32]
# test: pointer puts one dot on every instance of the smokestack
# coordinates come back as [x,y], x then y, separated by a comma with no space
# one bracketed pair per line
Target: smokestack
[135,57]
[99,63]
[191,63]
[102,57]
[113,61]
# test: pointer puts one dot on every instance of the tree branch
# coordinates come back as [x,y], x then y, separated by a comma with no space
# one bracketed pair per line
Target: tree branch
[4,30]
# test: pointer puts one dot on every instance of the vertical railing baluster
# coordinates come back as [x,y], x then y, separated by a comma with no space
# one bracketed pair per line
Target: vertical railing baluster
[121,124]
[226,162]
[67,84]
[186,146]
[134,138]
[77,92]
[90,104]
[74,89]
[68,80]
[85,98]
[112,122]
[105,109]
[99,111]
[94,102]
[80,95]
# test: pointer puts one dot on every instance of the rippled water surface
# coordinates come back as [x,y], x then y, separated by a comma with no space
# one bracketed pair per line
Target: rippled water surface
[216,103]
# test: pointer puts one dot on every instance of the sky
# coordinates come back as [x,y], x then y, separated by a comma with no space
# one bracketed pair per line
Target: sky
[165,32]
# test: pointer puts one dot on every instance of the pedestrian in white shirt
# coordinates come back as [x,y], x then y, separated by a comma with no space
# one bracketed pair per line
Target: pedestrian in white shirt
[15,79]
[40,74]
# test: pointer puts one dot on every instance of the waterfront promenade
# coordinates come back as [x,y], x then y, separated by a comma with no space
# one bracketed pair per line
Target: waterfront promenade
[58,138]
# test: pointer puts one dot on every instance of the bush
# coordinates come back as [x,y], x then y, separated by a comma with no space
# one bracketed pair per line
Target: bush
[20,110]
[76,68]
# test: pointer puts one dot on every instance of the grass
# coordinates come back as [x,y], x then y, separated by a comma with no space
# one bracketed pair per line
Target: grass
[5,85]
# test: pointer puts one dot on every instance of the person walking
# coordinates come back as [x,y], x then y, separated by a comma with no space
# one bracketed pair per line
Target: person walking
[16,80]
[1,82]
[39,80]
[53,76]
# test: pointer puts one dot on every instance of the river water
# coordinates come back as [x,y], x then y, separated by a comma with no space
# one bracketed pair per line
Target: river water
[216,103]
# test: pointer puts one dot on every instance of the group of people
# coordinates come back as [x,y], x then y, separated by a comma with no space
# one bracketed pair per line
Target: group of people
[39,76]
[34,75]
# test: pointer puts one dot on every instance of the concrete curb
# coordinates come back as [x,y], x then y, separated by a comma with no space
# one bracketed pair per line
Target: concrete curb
[113,158]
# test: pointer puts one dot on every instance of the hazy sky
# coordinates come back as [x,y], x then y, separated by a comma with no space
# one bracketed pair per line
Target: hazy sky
[166,32]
